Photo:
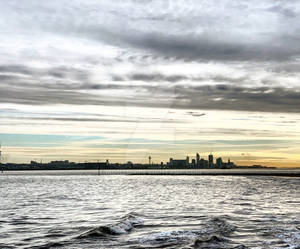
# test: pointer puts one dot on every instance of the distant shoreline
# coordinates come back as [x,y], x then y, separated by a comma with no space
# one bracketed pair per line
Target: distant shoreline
[229,172]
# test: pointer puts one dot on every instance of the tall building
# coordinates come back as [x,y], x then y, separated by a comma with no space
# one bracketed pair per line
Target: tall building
[219,162]
[197,158]
[210,160]
[187,160]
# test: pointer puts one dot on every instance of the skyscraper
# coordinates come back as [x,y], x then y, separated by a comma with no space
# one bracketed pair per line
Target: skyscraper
[197,158]
[210,160]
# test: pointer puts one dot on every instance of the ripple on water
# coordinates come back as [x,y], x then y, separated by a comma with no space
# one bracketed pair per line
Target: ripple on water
[87,212]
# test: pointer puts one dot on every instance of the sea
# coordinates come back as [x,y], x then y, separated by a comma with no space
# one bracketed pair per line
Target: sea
[67,211]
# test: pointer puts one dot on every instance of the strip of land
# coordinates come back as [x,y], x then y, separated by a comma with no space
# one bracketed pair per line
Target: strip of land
[232,172]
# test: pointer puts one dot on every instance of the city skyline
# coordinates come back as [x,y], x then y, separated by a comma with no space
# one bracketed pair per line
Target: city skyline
[84,80]
[209,161]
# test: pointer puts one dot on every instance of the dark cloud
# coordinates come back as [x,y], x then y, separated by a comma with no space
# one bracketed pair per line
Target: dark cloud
[183,31]
[6,78]
[67,84]
[223,38]
[287,67]
[246,132]
[19,69]
[159,77]
[227,97]
[36,96]
[285,11]
[156,77]
[64,72]
[219,97]
[204,47]
[196,114]
[67,119]
[60,72]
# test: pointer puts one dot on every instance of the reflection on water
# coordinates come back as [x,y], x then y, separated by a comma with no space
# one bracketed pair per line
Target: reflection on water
[119,211]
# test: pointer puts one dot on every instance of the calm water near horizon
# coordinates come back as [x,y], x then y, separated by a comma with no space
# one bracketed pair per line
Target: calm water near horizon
[70,210]
[278,171]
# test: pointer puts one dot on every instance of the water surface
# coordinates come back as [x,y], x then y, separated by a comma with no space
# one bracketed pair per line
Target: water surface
[122,211]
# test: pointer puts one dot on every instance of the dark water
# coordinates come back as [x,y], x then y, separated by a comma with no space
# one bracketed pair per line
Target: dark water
[118,211]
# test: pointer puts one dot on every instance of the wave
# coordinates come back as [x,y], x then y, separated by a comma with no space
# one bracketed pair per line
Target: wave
[125,225]
[122,227]
[186,238]
[210,242]
[215,241]
[49,245]
[165,237]
[212,235]
[220,226]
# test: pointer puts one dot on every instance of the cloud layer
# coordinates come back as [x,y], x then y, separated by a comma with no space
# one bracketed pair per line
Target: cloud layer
[74,53]
[172,63]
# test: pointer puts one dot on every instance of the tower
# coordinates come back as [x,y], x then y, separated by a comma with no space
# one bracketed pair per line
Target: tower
[149,160]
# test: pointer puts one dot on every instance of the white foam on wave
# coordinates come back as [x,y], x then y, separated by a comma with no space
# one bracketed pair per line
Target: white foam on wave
[216,225]
[170,236]
[120,228]
[126,225]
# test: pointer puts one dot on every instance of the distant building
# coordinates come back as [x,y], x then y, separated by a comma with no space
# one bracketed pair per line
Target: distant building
[210,160]
[178,163]
[193,162]
[203,163]
[65,162]
[197,158]
[219,162]
[187,160]
[230,164]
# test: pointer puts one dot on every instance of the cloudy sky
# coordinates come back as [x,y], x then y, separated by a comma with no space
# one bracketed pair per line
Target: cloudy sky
[87,80]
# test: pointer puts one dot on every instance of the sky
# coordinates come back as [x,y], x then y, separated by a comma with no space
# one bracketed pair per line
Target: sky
[90,80]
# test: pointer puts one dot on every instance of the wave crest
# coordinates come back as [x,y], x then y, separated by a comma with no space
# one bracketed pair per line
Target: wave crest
[124,226]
